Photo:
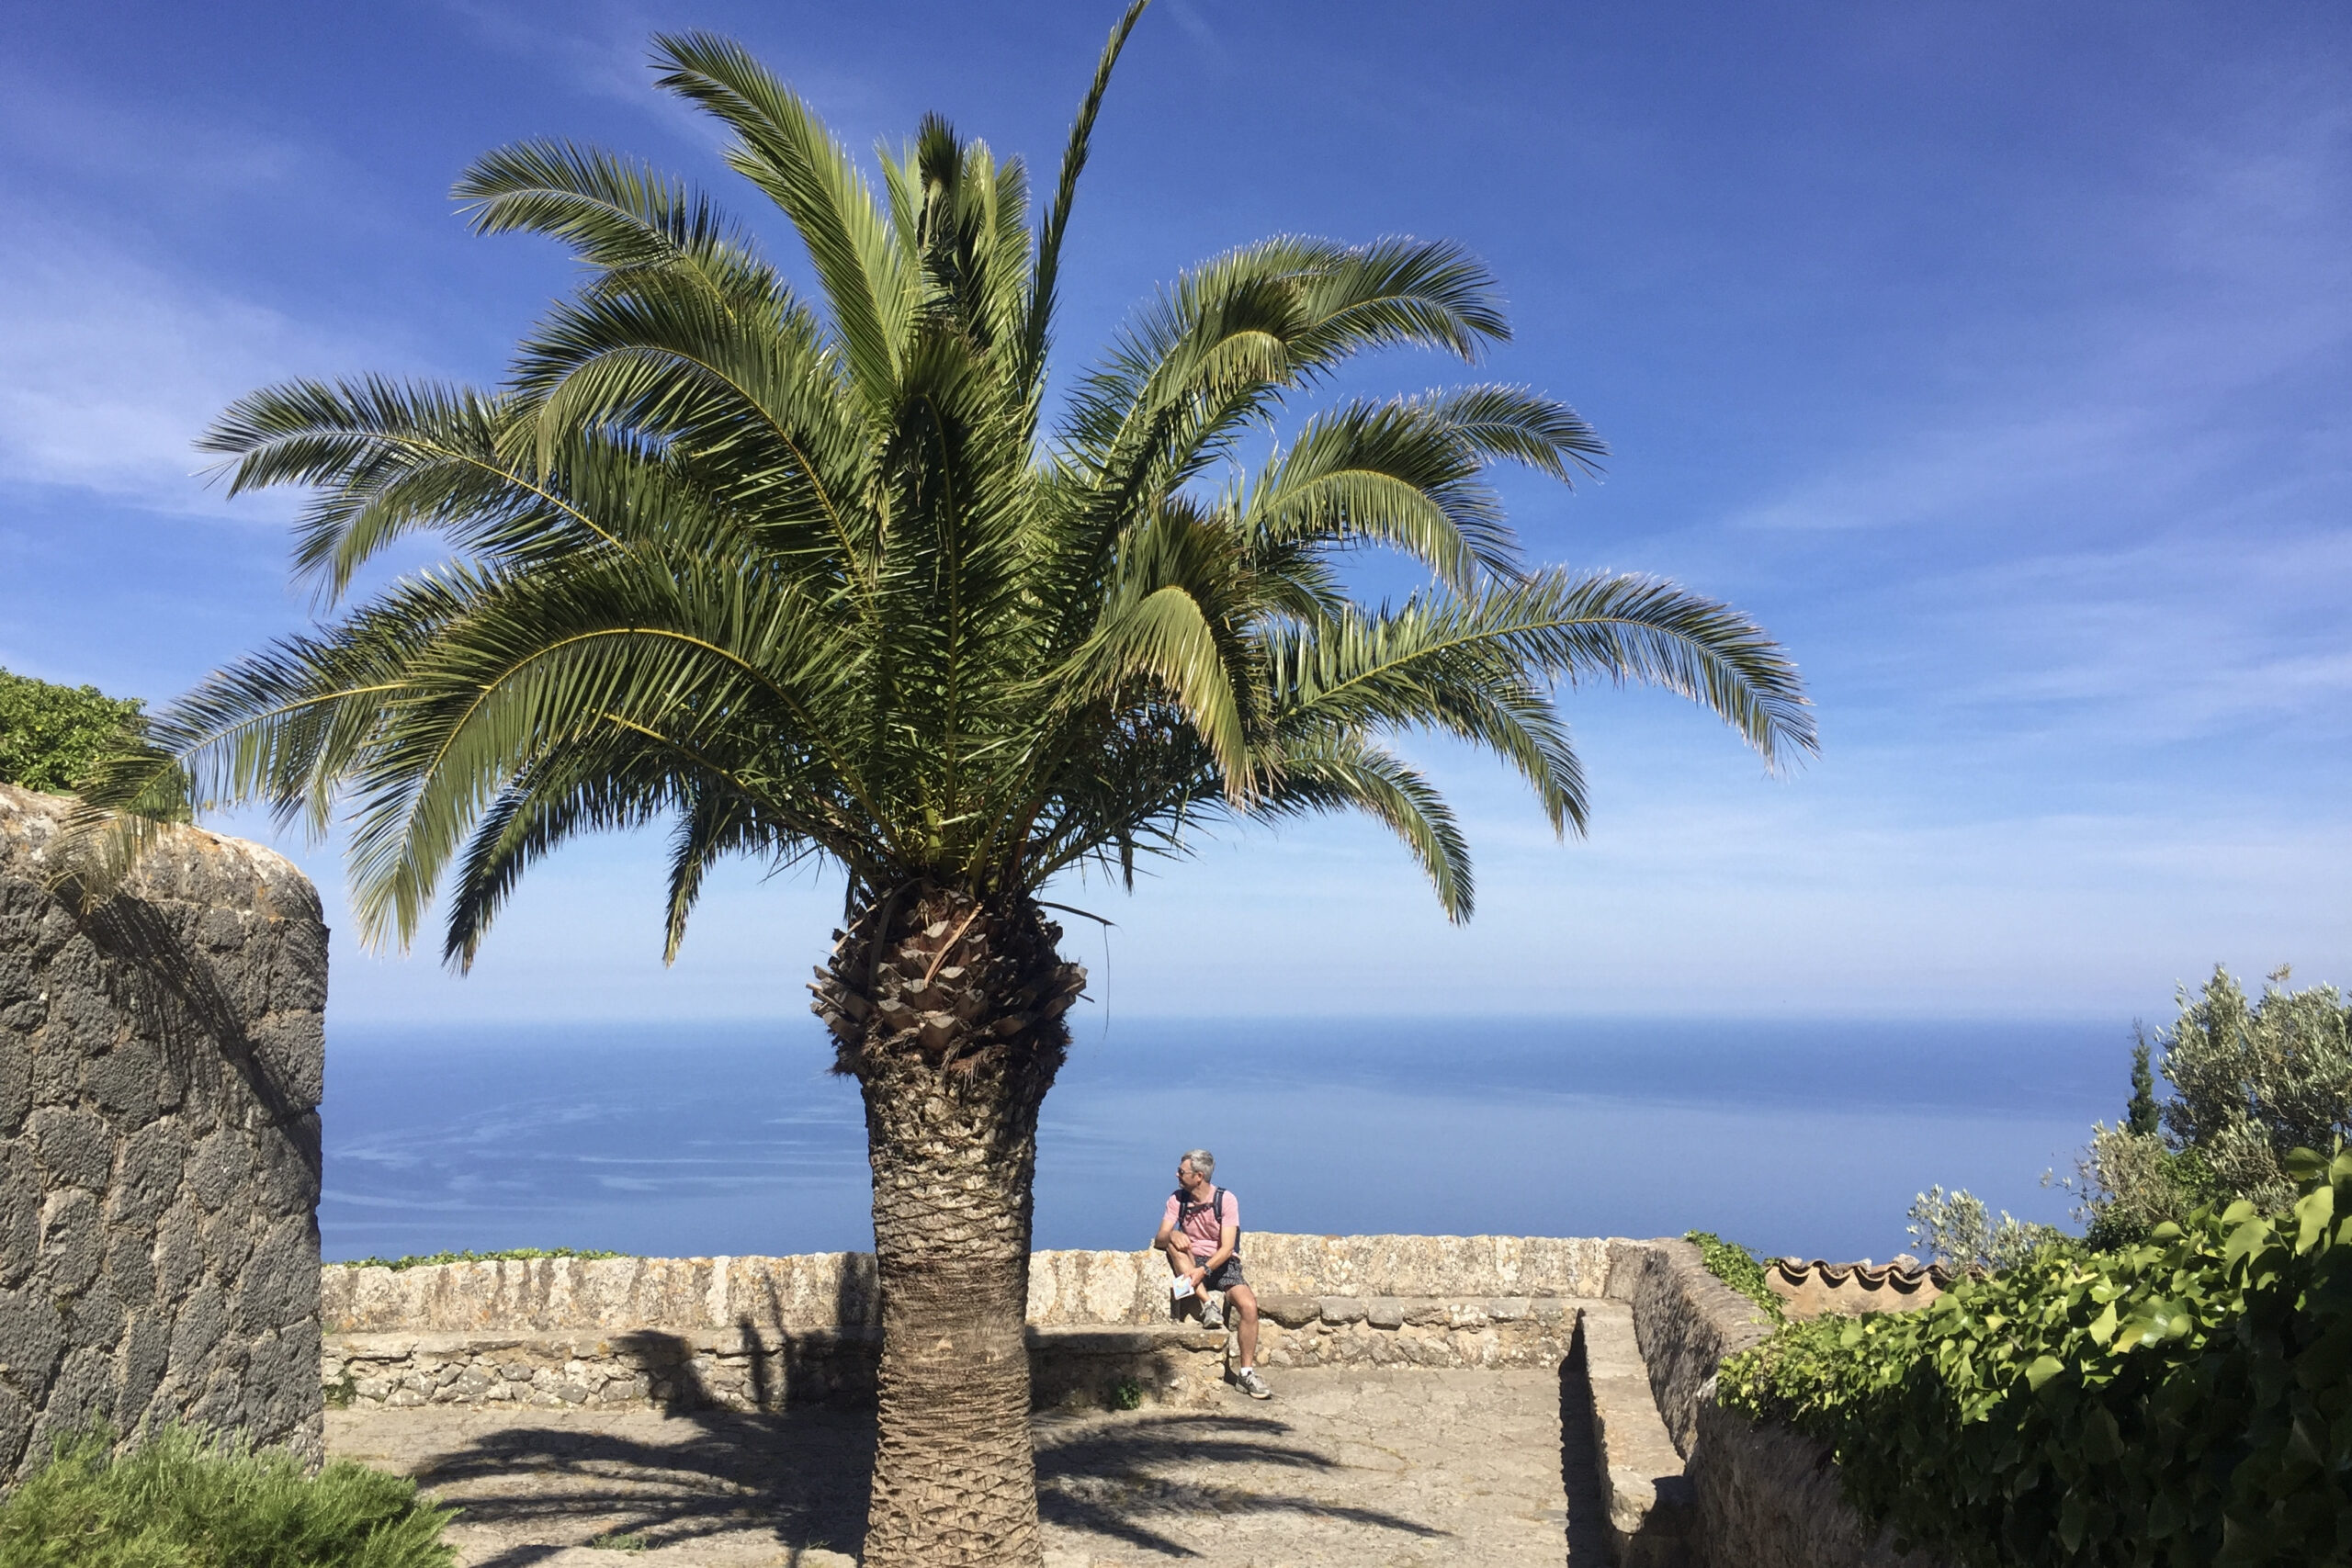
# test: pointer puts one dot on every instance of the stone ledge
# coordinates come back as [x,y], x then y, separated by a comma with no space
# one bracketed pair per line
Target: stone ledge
[1650,1502]
[1170,1363]
[683,1294]
[1422,1311]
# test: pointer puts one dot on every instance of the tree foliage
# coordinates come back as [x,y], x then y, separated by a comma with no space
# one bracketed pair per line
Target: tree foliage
[52,737]
[2183,1403]
[1957,1229]
[2251,1079]
[814,578]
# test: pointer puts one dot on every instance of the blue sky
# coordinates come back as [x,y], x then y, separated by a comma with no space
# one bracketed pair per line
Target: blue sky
[1997,357]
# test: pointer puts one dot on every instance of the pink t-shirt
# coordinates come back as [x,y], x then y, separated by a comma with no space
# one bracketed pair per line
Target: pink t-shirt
[1204,1226]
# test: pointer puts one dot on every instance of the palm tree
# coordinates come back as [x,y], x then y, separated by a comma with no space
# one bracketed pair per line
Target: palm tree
[815,580]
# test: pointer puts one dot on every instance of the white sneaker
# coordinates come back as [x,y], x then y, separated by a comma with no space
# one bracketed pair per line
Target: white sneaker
[1212,1311]
[1250,1383]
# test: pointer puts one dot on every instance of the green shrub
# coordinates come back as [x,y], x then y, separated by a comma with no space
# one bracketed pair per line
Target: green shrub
[51,737]
[1957,1229]
[1736,1266]
[2251,1080]
[2187,1401]
[181,1500]
[511,1253]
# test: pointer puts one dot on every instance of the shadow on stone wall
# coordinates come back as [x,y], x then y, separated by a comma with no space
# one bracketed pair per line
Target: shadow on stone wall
[1587,1505]
[162,1058]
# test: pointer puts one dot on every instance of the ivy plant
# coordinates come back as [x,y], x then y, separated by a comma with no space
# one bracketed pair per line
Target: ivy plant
[2188,1401]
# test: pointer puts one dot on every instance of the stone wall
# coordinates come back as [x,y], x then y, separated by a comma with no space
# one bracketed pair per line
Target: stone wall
[1765,1496]
[1686,1321]
[161,1066]
[756,1332]
[829,1289]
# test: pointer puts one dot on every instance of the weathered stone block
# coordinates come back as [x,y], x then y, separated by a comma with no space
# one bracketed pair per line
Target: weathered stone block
[71,1244]
[74,1147]
[16,1090]
[124,1081]
[32,1336]
[160,1063]
[20,1199]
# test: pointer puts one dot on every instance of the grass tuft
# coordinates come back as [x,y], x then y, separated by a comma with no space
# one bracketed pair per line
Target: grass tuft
[184,1499]
[511,1254]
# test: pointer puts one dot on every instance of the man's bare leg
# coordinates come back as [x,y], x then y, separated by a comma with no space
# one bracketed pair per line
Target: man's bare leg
[1245,1299]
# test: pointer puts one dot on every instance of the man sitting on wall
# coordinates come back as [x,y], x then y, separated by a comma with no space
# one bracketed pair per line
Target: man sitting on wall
[1201,1232]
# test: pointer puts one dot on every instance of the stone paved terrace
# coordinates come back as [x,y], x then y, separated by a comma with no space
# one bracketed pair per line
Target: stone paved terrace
[1345,1468]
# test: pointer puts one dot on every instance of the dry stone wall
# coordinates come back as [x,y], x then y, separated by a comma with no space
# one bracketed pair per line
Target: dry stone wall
[836,1289]
[1763,1495]
[162,1059]
[757,1333]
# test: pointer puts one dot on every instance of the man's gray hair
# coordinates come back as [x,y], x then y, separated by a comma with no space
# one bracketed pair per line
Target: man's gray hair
[1204,1163]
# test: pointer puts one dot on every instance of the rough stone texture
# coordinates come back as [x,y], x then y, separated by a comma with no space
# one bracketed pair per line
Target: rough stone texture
[161,1064]
[735,1369]
[1343,1469]
[1769,1497]
[682,1295]
[1764,1496]
[1686,1320]
[1482,1333]
[1650,1510]
[752,1368]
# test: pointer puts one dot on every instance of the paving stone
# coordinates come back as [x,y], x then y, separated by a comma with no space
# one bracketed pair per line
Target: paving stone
[1345,1468]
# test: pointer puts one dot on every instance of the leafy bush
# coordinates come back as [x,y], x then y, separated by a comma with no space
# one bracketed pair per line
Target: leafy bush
[2183,1402]
[2251,1081]
[181,1500]
[1958,1230]
[511,1253]
[1736,1266]
[51,737]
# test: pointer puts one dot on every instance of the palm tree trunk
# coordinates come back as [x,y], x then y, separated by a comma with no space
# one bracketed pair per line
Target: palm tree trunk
[953,1027]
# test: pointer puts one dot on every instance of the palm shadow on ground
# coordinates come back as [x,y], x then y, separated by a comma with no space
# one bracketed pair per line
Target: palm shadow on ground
[801,1475]
[1101,1474]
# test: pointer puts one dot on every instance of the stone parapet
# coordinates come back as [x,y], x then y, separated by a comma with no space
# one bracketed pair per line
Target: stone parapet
[162,1058]
[750,1367]
[1686,1321]
[1415,1331]
[836,1288]
[738,1369]
[1763,1496]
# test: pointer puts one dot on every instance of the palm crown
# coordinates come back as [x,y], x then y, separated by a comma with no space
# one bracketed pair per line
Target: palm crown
[817,578]
[821,582]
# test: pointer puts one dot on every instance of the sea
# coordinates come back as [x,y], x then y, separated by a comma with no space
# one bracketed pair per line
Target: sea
[1795,1137]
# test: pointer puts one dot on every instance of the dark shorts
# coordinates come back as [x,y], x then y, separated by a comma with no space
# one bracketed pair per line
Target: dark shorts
[1224,1277]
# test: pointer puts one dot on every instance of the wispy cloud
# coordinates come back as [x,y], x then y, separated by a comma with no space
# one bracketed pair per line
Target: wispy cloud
[110,368]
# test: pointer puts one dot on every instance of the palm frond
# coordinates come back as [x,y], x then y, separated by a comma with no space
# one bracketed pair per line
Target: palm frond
[785,150]
[1044,291]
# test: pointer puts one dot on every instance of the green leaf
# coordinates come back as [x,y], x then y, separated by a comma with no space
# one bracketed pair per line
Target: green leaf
[2042,1370]
[2313,1213]
[2102,1327]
